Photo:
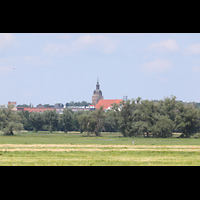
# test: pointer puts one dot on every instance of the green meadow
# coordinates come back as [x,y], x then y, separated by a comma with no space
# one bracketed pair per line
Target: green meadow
[111,149]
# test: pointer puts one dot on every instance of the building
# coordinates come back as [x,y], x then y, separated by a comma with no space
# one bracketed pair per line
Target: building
[97,94]
[58,105]
[98,101]
[40,108]
[59,108]
[81,108]
[36,109]
[125,98]
[107,103]
[13,105]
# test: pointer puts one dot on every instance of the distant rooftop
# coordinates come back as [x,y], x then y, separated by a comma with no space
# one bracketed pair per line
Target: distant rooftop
[106,103]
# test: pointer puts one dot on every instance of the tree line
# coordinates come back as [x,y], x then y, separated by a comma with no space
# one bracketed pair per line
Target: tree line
[133,118]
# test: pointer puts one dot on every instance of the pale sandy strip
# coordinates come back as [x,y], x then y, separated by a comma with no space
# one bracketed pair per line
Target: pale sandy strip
[96,147]
[99,146]
[93,149]
[60,145]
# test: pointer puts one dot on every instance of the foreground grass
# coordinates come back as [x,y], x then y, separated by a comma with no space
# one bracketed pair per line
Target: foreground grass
[52,149]
[81,158]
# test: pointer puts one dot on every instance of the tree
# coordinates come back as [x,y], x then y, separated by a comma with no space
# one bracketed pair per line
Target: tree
[66,120]
[187,119]
[140,118]
[36,120]
[109,122]
[9,121]
[83,122]
[144,117]
[126,119]
[115,110]
[25,120]
[51,120]
[140,128]
[163,127]
[95,121]
[75,121]
[167,107]
[149,114]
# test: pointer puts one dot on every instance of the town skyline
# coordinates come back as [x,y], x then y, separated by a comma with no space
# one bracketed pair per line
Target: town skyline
[54,68]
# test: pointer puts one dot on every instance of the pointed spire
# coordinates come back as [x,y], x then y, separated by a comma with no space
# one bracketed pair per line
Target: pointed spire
[97,86]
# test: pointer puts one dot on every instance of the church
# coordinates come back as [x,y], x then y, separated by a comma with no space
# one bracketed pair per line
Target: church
[97,94]
[98,101]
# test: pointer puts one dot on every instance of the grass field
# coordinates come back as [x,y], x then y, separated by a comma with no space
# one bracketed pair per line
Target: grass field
[51,149]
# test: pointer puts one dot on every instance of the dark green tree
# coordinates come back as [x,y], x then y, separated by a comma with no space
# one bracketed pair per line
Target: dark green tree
[187,119]
[37,120]
[25,120]
[51,120]
[76,124]
[66,120]
[163,127]
[109,123]
[9,121]
[83,120]
[126,119]
[95,121]
[167,107]
[144,117]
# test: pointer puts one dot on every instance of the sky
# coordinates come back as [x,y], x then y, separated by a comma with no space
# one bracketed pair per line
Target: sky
[51,68]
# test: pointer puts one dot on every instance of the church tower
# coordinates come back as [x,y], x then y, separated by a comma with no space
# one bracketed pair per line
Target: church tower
[97,95]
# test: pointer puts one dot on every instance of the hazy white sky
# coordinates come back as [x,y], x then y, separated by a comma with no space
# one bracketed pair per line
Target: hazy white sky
[62,67]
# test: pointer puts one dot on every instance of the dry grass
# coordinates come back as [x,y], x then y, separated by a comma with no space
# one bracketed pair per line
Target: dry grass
[96,147]
[75,149]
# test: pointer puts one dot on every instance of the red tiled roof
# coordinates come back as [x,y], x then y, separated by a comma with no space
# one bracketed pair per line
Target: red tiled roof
[10,103]
[106,103]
